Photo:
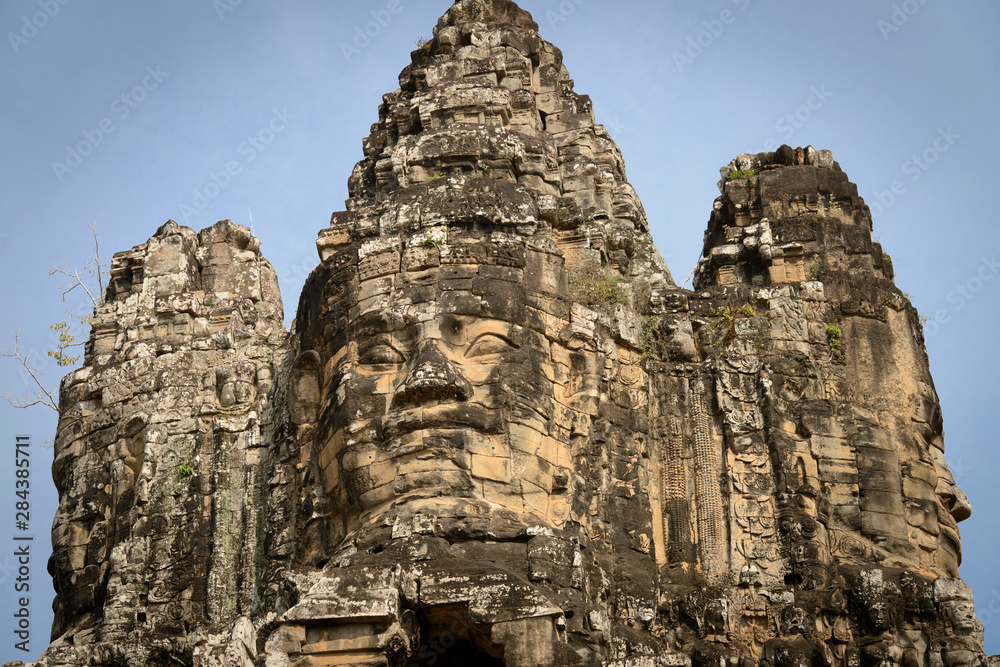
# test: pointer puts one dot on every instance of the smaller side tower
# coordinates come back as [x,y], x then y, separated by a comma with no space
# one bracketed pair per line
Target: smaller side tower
[787,217]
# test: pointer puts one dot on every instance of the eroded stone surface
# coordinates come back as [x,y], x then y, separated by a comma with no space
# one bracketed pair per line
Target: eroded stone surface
[499,433]
[159,444]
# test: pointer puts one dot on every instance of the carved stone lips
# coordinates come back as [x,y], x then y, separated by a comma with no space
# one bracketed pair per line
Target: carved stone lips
[451,416]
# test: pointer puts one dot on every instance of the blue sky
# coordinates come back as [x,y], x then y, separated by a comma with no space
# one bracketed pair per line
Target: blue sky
[166,95]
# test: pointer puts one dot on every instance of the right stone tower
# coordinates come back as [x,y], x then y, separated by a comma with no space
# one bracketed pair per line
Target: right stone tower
[836,490]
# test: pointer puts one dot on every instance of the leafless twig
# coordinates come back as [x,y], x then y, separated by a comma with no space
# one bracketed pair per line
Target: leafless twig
[40,394]
[94,267]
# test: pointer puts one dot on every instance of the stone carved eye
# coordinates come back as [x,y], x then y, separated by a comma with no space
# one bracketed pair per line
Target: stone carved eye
[381,354]
[488,345]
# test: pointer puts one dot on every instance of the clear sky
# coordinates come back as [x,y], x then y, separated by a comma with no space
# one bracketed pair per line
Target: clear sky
[162,95]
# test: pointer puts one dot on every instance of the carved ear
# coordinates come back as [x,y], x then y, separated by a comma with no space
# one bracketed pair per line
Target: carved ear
[306,388]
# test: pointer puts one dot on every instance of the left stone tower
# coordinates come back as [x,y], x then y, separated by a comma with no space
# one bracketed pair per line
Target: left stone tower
[157,439]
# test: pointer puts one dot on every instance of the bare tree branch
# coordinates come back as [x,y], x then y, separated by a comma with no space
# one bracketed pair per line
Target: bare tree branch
[40,395]
[76,281]
[94,267]
[97,260]
[92,281]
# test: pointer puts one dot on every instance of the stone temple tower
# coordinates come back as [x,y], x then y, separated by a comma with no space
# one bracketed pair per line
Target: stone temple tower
[499,433]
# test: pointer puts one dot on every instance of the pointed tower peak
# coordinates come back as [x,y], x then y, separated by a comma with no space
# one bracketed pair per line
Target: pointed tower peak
[488,11]
[486,132]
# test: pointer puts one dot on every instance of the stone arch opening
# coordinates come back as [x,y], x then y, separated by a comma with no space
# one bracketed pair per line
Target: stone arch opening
[461,653]
[449,638]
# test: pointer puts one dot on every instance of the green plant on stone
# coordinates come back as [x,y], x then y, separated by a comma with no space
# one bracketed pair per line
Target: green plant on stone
[424,44]
[741,173]
[433,240]
[833,337]
[748,311]
[724,316]
[268,356]
[436,176]
[598,286]
[653,339]
[185,470]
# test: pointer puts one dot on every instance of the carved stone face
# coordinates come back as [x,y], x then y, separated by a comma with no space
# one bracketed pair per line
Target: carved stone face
[962,615]
[446,384]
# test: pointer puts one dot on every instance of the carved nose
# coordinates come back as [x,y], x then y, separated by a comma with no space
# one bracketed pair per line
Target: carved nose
[958,504]
[432,378]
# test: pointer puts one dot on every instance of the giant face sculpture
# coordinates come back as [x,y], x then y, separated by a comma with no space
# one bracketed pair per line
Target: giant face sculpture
[456,371]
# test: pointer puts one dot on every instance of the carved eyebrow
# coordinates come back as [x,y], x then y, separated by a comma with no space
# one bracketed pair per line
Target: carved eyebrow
[380,339]
[490,335]
[495,334]
[375,324]
[477,328]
